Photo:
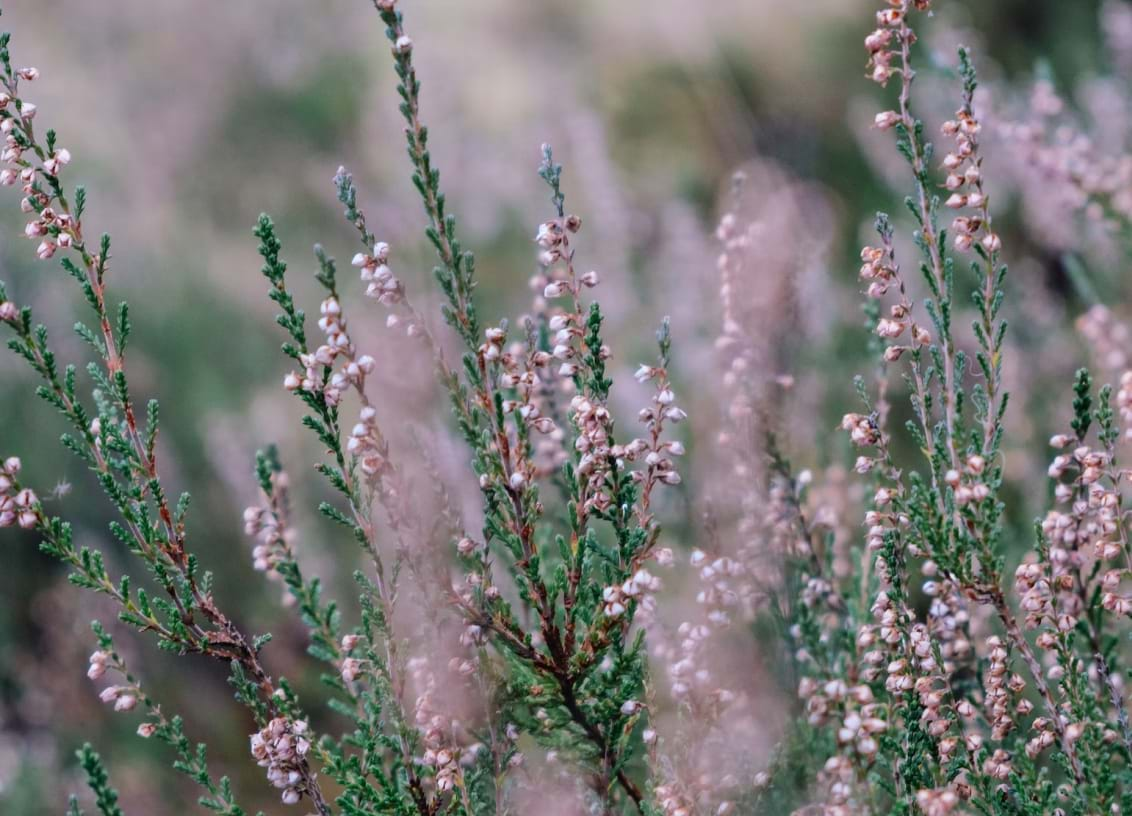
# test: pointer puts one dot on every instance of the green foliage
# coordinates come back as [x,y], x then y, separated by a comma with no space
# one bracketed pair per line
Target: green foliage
[1082,403]
[98,780]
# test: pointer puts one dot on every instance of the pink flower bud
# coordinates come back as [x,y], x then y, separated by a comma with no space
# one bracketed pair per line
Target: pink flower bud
[886,119]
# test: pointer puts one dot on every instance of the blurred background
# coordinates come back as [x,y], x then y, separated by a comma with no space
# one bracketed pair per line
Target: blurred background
[187,120]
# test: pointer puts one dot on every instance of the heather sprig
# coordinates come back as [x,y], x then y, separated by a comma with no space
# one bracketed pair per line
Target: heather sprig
[361,471]
[575,638]
[126,694]
[588,667]
[118,447]
[98,780]
[950,519]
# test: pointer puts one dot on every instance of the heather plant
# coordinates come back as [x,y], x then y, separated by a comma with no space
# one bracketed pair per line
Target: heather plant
[540,647]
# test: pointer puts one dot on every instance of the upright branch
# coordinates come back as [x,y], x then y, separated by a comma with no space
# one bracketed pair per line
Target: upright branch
[956,523]
[115,444]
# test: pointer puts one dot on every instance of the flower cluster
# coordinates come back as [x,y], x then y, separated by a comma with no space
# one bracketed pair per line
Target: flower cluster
[443,753]
[948,617]
[374,270]
[1002,690]
[51,228]
[880,47]
[594,425]
[261,523]
[937,801]
[558,278]
[880,270]
[525,372]
[692,679]
[18,505]
[965,183]
[269,526]
[863,431]
[9,311]
[280,747]
[366,443]
[1090,530]
[574,348]
[673,801]
[617,598]
[326,356]
[351,667]
[888,42]
[124,698]
[657,453]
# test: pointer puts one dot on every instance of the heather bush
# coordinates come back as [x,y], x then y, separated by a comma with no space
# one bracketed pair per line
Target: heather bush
[572,593]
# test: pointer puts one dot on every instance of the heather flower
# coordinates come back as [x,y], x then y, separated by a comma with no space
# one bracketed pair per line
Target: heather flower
[280,747]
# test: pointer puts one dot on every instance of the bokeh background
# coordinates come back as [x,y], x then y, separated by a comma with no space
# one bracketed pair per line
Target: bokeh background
[187,120]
